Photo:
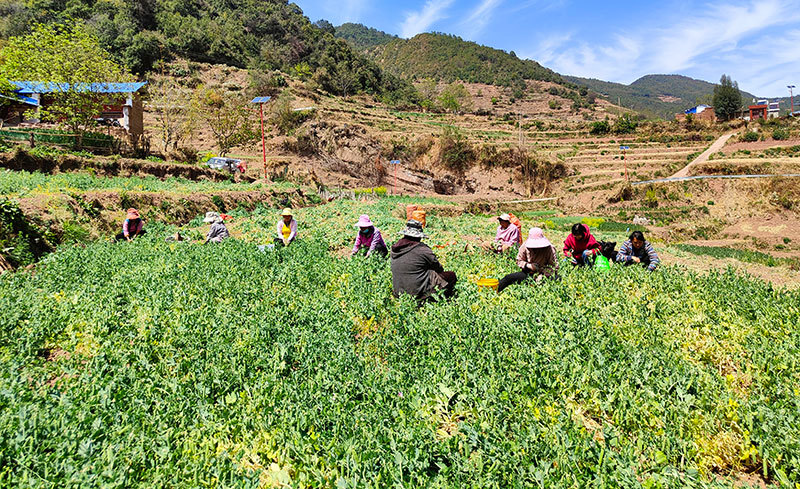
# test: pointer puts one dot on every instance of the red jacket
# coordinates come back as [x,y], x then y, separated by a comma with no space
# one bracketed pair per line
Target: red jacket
[578,247]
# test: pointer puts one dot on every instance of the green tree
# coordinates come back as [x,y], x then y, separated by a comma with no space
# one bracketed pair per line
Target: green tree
[69,58]
[727,98]
[229,119]
[455,98]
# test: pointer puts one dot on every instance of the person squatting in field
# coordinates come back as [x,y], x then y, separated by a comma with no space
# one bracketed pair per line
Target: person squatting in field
[637,250]
[369,238]
[507,235]
[580,247]
[218,230]
[537,257]
[415,269]
[132,226]
[286,228]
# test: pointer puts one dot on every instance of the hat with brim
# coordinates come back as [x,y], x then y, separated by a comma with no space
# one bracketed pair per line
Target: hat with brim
[212,217]
[413,230]
[133,213]
[287,212]
[536,239]
[504,217]
[364,222]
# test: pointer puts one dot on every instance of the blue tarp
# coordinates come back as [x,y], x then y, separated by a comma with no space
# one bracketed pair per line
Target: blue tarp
[23,99]
[30,87]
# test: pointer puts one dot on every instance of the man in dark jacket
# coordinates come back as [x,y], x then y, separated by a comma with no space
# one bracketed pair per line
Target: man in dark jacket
[415,269]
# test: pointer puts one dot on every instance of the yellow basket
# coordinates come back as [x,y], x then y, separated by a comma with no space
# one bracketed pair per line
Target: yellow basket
[489,283]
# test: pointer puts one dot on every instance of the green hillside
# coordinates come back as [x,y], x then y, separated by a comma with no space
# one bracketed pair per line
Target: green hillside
[260,34]
[362,37]
[447,58]
[655,95]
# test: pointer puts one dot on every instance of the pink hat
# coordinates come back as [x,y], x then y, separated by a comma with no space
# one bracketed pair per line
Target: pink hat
[536,239]
[133,213]
[364,222]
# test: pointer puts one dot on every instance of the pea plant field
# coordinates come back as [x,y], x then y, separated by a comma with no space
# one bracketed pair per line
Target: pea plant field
[154,364]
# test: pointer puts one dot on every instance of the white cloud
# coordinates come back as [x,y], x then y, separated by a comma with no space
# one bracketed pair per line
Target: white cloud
[420,21]
[352,10]
[737,38]
[480,16]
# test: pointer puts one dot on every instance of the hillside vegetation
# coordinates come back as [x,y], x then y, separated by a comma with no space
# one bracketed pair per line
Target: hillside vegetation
[655,95]
[448,58]
[362,37]
[258,34]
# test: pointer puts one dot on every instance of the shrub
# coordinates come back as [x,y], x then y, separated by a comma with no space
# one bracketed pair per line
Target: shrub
[625,125]
[600,127]
[780,134]
[455,152]
[749,137]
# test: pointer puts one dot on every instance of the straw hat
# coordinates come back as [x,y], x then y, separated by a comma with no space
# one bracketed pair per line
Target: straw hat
[504,217]
[133,213]
[364,222]
[536,239]
[287,212]
[212,217]
[413,230]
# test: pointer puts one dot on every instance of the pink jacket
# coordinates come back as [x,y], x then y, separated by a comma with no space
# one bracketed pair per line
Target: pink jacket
[508,236]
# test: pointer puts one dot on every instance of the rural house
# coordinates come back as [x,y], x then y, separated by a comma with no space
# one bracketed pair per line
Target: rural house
[124,110]
[700,113]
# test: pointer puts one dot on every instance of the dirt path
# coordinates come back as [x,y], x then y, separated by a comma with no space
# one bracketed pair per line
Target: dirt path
[718,144]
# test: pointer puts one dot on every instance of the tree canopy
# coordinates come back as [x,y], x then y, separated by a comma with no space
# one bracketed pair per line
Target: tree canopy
[727,98]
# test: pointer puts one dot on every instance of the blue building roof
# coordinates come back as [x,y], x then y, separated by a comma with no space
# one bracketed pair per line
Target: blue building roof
[22,98]
[31,87]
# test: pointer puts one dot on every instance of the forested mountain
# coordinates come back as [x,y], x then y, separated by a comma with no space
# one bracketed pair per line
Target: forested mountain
[263,34]
[362,37]
[655,95]
[445,57]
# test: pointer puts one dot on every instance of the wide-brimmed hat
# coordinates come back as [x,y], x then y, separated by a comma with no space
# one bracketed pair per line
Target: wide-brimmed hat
[504,217]
[364,222]
[133,213]
[536,239]
[287,212]
[212,217]
[413,230]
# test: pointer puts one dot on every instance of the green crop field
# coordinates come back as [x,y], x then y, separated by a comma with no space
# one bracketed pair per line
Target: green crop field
[153,364]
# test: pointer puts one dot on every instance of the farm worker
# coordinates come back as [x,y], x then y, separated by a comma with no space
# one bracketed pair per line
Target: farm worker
[415,269]
[287,228]
[537,257]
[369,238]
[218,231]
[580,247]
[637,250]
[507,234]
[132,227]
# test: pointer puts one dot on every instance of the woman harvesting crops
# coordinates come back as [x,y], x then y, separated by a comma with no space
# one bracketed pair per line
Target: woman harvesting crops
[415,269]
[507,234]
[132,226]
[369,238]
[218,231]
[580,247]
[536,257]
[639,251]
[286,228]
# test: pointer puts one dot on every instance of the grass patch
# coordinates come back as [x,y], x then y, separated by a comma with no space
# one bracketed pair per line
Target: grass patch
[747,256]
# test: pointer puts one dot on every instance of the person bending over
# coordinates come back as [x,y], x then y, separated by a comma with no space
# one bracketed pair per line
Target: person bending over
[415,269]
[537,258]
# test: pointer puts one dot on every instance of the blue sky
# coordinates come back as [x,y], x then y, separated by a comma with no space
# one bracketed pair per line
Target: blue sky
[756,42]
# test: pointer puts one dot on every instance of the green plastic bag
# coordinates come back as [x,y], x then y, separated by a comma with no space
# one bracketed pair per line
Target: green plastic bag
[602,263]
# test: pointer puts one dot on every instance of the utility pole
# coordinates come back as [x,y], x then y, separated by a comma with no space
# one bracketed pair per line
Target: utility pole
[261,101]
[791,98]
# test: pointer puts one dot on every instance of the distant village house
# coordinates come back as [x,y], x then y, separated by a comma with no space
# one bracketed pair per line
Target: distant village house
[763,109]
[124,110]
[699,113]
